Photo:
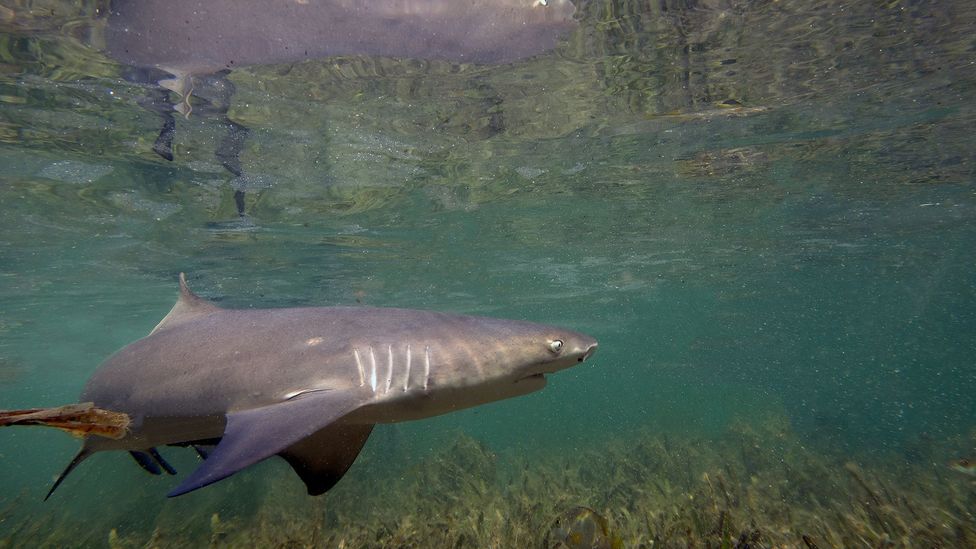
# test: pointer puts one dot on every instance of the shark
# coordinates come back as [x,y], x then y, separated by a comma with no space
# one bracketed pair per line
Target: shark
[307,384]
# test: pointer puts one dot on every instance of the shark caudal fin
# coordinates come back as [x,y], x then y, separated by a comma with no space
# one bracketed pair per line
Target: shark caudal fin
[81,456]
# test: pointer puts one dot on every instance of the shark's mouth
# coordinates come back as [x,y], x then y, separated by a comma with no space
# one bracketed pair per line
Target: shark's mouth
[540,370]
[538,380]
[552,366]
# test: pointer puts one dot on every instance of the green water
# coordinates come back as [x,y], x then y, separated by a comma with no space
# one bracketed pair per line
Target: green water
[760,209]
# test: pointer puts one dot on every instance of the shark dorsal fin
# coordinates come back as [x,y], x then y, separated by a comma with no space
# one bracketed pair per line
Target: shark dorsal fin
[188,307]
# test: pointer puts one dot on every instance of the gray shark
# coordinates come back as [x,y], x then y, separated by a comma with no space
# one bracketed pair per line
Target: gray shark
[308,384]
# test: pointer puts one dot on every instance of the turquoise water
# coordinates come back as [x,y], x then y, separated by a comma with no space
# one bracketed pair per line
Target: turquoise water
[760,210]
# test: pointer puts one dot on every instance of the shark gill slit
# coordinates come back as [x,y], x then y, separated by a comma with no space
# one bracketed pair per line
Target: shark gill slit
[372,371]
[406,377]
[426,366]
[359,366]
[389,368]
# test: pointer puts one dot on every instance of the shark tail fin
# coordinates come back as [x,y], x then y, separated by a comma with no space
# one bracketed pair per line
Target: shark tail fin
[79,457]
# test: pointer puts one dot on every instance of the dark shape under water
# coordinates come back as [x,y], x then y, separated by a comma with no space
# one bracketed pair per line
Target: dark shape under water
[308,384]
[581,528]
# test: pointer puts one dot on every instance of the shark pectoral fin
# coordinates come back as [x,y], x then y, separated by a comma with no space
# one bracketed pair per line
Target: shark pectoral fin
[254,435]
[323,458]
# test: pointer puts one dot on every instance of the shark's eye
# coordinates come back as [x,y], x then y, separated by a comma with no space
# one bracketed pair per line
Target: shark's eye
[556,345]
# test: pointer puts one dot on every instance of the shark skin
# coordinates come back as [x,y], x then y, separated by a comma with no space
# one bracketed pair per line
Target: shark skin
[308,384]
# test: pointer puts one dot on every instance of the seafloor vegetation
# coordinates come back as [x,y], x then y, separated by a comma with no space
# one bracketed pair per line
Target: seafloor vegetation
[756,486]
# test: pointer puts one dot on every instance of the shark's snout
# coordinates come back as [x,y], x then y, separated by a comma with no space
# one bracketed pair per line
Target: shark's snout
[590,349]
[576,348]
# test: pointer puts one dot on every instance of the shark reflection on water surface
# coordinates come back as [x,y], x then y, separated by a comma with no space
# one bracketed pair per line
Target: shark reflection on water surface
[205,36]
[188,46]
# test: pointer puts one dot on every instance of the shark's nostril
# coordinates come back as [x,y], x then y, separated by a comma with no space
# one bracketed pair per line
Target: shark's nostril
[589,352]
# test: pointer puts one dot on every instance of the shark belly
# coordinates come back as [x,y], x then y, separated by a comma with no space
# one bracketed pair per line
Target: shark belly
[425,404]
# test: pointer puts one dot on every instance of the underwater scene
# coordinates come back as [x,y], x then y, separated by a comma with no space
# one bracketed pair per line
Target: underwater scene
[763,210]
